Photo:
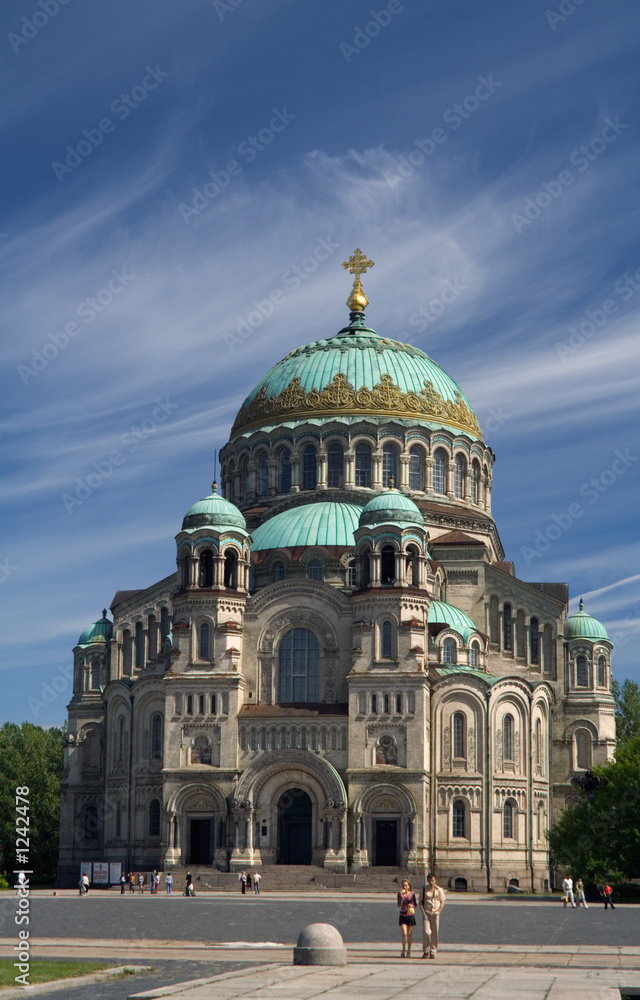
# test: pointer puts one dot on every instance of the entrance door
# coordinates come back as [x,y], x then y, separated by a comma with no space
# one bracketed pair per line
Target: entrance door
[294,828]
[200,842]
[385,842]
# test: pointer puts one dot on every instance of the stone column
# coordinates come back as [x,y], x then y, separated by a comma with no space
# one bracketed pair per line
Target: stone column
[321,467]
[401,571]
[295,474]
[193,571]
[273,475]
[404,474]
[451,471]
[218,572]
[375,569]
[428,470]
[377,471]
[349,469]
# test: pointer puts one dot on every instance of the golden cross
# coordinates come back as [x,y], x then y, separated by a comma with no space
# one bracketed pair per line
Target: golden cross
[357,263]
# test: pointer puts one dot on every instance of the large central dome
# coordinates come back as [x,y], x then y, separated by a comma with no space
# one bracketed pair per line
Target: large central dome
[357,373]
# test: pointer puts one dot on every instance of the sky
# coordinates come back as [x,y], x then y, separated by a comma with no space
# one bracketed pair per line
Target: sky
[169,167]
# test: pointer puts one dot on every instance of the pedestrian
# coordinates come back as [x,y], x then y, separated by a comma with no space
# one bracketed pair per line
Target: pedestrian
[132,881]
[123,882]
[189,889]
[407,902]
[257,878]
[243,883]
[249,881]
[432,903]
[567,892]
[155,878]
[141,882]
[607,892]
[22,882]
[168,880]
[580,894]
[84,885]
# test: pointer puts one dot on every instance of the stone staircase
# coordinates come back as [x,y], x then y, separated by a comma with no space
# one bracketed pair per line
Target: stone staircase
[294,878]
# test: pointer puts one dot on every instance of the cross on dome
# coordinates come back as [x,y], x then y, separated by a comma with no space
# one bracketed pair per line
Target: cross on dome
[357,264]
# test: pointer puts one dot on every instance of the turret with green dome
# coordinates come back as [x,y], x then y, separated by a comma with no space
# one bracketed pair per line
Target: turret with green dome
[583,626]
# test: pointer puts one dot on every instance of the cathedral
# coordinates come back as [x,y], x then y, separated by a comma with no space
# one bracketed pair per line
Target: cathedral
[343,671]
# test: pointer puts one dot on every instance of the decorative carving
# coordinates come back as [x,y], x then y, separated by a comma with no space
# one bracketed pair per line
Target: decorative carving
[339,397]
[471,750]
[446,748]
[299,617]
[499,750]
[517,750]
[265,681]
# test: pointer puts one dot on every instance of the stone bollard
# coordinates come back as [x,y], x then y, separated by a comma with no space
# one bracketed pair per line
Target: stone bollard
[320,944]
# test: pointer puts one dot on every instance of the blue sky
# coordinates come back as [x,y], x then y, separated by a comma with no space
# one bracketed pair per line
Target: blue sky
[167,166]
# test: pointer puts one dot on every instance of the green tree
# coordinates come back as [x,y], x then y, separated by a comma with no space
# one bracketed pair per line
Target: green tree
[627,697]
[31,756]
[601,840]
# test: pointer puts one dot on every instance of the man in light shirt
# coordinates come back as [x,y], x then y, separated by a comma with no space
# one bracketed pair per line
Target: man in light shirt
[567,890]
[432,902]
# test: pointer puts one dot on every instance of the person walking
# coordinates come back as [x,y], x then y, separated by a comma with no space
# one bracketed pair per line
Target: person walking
[243,883]
[580,894]
[189,889]
[407,902]
[141,882]
[155,879]
[257,878]
[567,892]
[132,881]
[84,885]
[607,892]
[168,881]
[123,881]
[432,903]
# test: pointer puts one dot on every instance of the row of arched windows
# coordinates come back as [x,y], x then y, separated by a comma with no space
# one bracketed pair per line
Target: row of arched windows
[460,819]
[582,671]
[155,744]
[465,481]
[201,704]
[450,652]
[143,644]
[386,703]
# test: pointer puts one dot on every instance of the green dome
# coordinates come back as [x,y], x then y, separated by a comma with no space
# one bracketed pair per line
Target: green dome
[446,614]
[393,507]
[583,626]
[213,512]
[100,631]
[357,374]
[323,523]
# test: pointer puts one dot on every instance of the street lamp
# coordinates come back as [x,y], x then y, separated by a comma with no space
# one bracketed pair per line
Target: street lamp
[590,783]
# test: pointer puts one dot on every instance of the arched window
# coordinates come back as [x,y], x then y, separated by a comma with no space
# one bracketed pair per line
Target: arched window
[538,744]
[386,704]
[507,630]
[164,623]
[413,566]
[366,568]
[439,471]
[200,704]
[351,573]
[460,474]
[534,640]
[231,569]
[459,735]
[582,676]
[95,675]
[335,466]
[244,478]
[178,704]
[374,704]
[91,823]
[449,650]
[120,739]
[507,820]
[363,464]
[416,468]
[583,749]
[459,817]
[154,818]
[189,704]
[602,671]
[156,737]
[263,474]
[299,667]
[139,646]
[387,640]
[387,565]
[474,654]
[204,636]
[214,704]
[284,472]
[460,885]
[152,636]
[206,569]
[475,481]
[389,465]
[507,737]
[278,572]
[309,468]
[314,570]
[398,704]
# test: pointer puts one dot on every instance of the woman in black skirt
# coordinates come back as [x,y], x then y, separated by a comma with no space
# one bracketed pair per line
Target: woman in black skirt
[407,902]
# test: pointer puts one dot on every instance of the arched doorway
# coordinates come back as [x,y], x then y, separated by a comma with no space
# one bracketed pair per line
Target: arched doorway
[294,828]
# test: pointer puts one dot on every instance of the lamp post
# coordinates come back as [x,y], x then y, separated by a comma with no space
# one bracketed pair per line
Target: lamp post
[590,783]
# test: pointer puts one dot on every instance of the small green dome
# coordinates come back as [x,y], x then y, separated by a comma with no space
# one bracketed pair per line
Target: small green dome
[322,523]
[583,626]
[100,631]
[391,507]
[446,614]
[213,512]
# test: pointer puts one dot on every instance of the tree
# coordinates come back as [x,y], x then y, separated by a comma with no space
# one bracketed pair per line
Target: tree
[31,756]
[600,840]
[627,699]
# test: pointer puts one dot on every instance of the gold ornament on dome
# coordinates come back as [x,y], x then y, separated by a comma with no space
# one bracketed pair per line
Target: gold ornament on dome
[357,264]
[339,398]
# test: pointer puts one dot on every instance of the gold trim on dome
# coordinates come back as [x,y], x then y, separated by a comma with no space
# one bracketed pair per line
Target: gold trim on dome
[339,398]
